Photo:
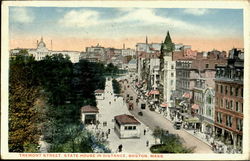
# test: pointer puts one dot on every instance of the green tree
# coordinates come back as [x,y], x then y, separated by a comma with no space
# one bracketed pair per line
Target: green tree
[23,114]
[116,86]
[169,143]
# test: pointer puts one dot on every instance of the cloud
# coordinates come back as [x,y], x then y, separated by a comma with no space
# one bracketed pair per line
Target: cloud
[82,18]
[21,15]
[136,20]
[196,11]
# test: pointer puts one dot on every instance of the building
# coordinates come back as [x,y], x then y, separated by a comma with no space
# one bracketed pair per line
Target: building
[229,100]
[128,52]
[89,114]
[41,51]
[94,54]
[167,73]
[131,66]
[126,126]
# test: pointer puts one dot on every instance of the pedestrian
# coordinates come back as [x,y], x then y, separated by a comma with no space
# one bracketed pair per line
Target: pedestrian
[108,131]
[120,148]
[102,134]
[147,143]
[144,132]
[107,135]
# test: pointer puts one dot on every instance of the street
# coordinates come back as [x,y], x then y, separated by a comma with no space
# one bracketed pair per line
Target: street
[153,119]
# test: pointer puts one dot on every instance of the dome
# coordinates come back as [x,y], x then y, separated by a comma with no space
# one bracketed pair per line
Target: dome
[41,44]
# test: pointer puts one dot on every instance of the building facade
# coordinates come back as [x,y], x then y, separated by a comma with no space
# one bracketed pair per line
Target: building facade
[229,100]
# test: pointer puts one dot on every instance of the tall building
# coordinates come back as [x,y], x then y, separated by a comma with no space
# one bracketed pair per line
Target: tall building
[229,99]
[167,71]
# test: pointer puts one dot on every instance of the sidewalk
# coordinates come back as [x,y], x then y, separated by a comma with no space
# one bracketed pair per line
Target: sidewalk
[108,108]
[198,135]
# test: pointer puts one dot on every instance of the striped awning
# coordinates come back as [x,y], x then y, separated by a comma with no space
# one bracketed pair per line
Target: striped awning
[195,106]
[154,92]
[164,105]
[186,95]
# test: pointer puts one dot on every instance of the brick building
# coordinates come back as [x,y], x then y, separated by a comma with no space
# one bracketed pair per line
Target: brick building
[229,100]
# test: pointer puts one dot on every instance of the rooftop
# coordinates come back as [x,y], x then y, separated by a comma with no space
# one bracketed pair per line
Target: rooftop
[126,119]
[99,91]
[89,109]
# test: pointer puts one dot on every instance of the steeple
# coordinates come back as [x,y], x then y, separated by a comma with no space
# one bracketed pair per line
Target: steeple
[168,45]
[146,39]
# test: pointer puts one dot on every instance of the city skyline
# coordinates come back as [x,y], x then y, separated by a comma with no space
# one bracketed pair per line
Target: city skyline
[204,29]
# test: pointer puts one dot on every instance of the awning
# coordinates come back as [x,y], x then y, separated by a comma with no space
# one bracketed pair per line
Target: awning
[164,105]
[192,120]
[154,92]
[186,95]
[147,93]
[182,103]
[195,107]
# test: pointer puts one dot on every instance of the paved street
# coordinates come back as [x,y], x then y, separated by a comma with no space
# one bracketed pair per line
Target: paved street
[110,107]
[153,119]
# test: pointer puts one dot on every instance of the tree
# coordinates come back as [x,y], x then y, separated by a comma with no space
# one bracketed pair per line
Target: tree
[169,143]
[23,114]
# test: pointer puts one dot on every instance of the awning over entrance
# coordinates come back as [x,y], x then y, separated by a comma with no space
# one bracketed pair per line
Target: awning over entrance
[192,120]
[195,106]
[164,105]
[154,92]
[186,95]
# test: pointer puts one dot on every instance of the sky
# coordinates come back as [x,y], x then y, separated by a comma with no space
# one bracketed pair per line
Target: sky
[75,28]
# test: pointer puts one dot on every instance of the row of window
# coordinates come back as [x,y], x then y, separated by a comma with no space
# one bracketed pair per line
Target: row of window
[229,121]
[229,90]
[183,64]
[99,94]
[184,74]
[236,74]
[130,127]
[230,104]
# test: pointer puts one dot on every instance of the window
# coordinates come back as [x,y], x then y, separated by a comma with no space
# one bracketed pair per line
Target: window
[171,82]
[229,120]
[172,67]
[221,103]
[241,94]
[226,89]
[221,89]
[219,117]
[130,128]
[231,91]
[209,99]
[134,127]
[236,91]
[237,106]
[172,74]
[239,124]
[216,87]
[231,104]
[227,105]
[207,65]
